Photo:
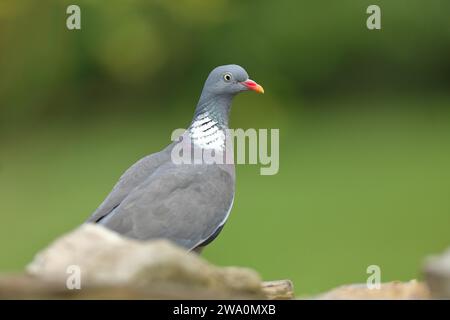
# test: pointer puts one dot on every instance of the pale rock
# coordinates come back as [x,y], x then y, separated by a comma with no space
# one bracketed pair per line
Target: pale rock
[395,290]
[107,259]
[437,274]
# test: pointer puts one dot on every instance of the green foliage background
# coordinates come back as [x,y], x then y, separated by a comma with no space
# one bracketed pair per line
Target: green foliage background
[363,115]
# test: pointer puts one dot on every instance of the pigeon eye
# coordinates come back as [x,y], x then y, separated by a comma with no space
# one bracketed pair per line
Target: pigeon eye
[227,77]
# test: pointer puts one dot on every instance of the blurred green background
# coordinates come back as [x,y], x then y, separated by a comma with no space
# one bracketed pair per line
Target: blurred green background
[364,123]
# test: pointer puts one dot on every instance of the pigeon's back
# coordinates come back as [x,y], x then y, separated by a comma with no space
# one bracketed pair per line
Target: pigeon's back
[129,180]
[187,204]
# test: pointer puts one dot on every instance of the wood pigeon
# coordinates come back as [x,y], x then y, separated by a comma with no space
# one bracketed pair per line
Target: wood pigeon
[186,203]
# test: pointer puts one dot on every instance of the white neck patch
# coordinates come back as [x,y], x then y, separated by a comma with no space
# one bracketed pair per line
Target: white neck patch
[207,134]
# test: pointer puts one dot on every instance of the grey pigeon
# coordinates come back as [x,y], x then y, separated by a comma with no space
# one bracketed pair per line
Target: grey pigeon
[186,203]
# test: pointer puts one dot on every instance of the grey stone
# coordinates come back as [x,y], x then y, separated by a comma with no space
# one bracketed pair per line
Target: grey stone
[437,275]
[105,258]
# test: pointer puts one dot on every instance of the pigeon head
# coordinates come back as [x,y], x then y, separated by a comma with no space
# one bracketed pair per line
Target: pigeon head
[222,84]
[229,80]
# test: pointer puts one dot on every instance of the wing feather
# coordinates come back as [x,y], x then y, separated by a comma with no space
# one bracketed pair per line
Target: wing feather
[129,180]
[186,204]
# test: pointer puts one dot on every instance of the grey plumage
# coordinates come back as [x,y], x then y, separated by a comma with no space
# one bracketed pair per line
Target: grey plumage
[185,203]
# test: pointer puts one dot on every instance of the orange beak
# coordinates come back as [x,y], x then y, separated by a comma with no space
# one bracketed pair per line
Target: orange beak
[252,85]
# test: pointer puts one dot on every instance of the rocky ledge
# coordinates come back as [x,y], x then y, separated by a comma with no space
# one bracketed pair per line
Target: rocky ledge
[92,262]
